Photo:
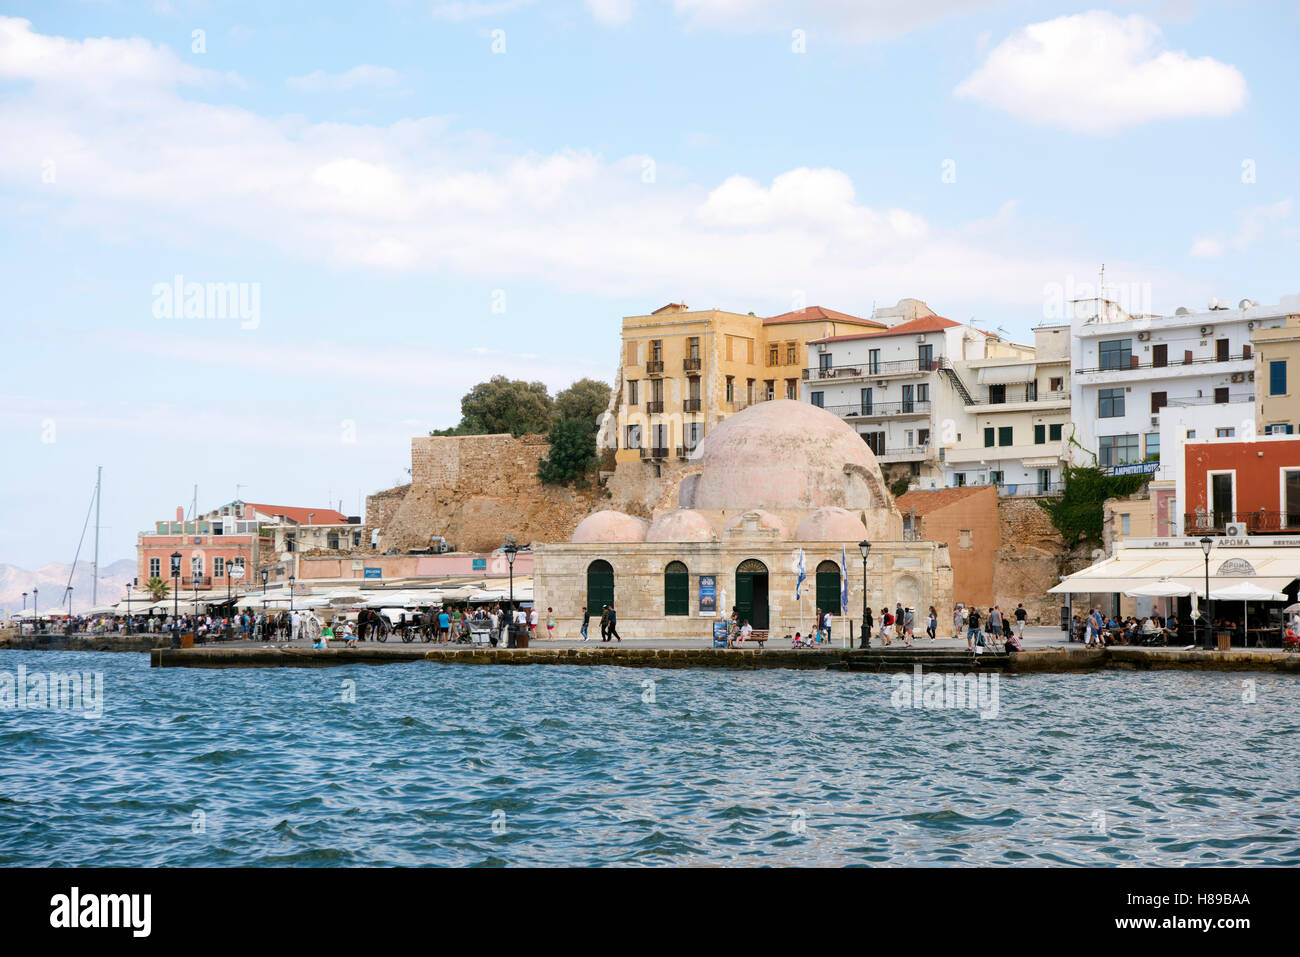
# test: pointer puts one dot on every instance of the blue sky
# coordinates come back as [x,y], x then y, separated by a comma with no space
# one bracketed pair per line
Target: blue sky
[417,211]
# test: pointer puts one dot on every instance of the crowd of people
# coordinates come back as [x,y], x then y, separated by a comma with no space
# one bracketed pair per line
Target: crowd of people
[992,630]
[1096,630]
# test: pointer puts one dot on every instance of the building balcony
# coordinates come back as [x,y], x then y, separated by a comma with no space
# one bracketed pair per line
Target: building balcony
[691,365]
[873,370]
[1242,363]
[692,405]
[913,453]
[1054,402]
[880,410]
[649,454]
[1258,522]
[653,406]
[1193,401]
[654,367]
[685,451]
[990,455]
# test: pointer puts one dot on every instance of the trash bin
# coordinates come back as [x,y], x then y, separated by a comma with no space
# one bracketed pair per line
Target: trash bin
[521,636]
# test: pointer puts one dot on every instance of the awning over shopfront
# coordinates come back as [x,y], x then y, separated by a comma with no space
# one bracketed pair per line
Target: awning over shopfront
[1268,566]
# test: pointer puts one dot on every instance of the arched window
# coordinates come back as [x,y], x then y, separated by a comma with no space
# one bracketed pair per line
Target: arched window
[600,585]
[828,587]
[677,589]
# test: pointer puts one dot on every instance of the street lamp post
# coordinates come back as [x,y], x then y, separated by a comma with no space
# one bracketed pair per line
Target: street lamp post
[865,548]
[36,615]
[176,597]
[511,551]
[1206,544]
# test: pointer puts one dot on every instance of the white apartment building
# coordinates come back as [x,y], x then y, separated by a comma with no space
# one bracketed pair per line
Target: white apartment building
[1143,383]
[1013,429]
[897,386]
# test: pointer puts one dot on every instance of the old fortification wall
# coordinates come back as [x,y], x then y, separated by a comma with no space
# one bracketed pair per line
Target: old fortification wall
[1031,559]
[475,490]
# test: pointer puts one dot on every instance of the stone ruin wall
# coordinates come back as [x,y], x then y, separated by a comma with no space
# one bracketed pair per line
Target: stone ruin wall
[1031,558]
[475,490]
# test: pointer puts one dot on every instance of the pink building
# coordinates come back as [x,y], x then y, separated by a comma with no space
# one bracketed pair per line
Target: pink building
[236,534]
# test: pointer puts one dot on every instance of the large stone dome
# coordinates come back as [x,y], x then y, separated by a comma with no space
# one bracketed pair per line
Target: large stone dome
[784,455]
[681,525]
[610,527]
[831,525]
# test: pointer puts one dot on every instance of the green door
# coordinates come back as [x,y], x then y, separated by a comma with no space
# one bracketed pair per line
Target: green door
[828,588]
[751,593]
[600,586]
[677,589]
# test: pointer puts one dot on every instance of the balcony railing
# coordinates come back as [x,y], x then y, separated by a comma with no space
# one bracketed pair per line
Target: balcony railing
[692,405]
[684,451]
[1259,522]
[1031,489]
[653,453]
[654,367]
[1133,363]
[868,370]
[1210,400]
[652,406]
[691,365]
[877,410]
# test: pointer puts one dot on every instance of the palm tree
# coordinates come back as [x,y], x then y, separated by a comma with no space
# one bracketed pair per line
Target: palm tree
[157,588]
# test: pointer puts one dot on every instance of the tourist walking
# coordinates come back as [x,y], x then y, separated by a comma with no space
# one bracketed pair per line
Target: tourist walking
[586,620]
[886,625]
[974,637]
[909,625]
[1021,615]
[958,620]
[932,623]
[613,624]
[826,625]
[867,625]
[604,623]
[550,624]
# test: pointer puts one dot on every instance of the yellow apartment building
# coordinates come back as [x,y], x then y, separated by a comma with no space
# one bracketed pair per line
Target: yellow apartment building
[1277,377]
[684,371]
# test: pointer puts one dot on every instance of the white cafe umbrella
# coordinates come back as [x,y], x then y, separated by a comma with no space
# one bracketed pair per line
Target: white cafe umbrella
[1244,592]
[1159,589]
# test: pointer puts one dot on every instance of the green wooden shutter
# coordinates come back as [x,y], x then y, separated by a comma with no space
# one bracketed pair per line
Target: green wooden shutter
[600,586]
[677,590]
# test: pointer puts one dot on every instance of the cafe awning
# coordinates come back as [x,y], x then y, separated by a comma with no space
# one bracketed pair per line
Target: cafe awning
[1006,375]
[1271,569]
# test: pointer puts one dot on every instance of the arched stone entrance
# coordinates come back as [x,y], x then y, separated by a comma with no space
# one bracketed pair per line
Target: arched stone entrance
[751,593]
[600,586]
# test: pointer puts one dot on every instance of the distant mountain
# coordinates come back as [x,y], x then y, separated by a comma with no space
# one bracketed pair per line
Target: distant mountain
[52,578]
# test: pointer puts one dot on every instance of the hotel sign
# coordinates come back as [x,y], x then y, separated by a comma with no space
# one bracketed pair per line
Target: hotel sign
[1138,468]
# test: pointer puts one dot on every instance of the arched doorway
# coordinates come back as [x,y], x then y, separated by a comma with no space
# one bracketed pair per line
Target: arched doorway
[600,585]
[751,593]
[677,591]
[828,587]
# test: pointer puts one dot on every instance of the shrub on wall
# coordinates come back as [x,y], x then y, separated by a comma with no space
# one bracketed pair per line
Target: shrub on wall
[1078,513]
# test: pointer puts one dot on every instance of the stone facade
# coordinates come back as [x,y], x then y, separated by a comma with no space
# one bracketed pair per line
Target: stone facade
[916,573]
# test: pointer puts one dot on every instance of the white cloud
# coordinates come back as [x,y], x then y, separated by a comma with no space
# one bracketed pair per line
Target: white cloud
[1097,73]
[422,196]
[1253,224]
[457,11]
[318,81]
[852,20]
[611,12]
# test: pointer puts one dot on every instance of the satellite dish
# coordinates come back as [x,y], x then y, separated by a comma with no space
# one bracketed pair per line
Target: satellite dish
[1246,303]
[1214,304]
[1182,311]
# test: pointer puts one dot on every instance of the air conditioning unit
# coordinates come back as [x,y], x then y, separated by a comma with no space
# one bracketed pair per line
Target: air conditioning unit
[1155,420]
[821,347]
[1250,377]
[1235,530]
[1238,377]
[1251,324]
[1143,336]
[1207,330]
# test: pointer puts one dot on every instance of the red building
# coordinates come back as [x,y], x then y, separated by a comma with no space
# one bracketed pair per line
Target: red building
[236,534]
[1255,484]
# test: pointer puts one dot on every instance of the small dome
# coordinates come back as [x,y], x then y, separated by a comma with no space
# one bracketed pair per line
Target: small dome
[681,525]
[831,525]
[608,527]
[756,521]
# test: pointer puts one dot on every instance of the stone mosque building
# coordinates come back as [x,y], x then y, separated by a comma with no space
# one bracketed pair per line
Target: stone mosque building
[778,477]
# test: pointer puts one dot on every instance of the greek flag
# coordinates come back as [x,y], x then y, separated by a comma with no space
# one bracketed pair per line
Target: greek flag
[802,576]
[844,581]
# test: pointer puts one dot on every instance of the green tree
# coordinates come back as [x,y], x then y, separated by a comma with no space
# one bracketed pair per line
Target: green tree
[157,588]
[1077,514]
[572,454]
[584,401]
[503,405]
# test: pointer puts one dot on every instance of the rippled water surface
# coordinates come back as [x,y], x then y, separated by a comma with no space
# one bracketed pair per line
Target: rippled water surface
[438,764]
